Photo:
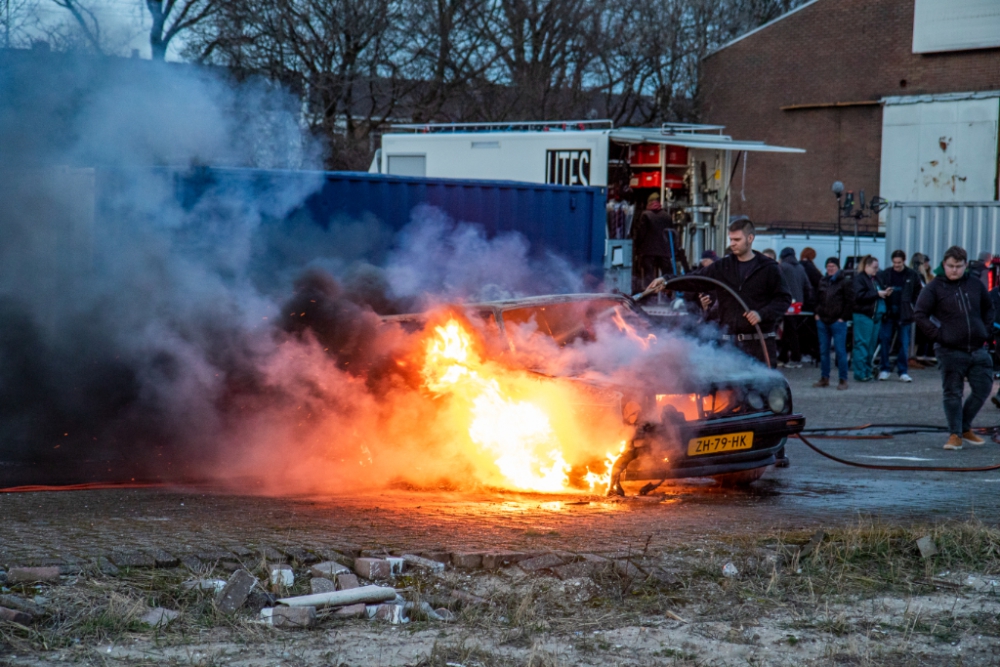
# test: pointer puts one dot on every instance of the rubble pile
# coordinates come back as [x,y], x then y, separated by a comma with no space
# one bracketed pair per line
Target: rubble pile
[298,588]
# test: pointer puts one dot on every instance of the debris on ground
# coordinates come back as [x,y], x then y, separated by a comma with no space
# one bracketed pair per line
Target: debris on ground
[289,617]
[159,617]
[235,592]
[927,547]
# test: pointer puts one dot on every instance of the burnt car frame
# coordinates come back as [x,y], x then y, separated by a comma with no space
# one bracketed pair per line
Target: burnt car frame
[730,429]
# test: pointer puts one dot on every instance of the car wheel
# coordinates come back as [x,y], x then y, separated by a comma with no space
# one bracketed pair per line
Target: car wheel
[742,478]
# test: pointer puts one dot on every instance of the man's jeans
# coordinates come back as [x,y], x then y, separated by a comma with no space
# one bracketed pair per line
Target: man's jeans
[956,366]
[838,331]
[889,326]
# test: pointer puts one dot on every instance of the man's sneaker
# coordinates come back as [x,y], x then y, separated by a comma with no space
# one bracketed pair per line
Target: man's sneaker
[905,377]
[954,442]
[971,438]
[842,385]
[823,382]
[793,364]
[884,375]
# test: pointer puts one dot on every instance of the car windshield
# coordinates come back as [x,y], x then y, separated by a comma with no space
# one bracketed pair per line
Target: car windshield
[570,320]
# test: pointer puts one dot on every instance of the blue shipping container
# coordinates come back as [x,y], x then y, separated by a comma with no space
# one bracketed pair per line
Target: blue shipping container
[567,221]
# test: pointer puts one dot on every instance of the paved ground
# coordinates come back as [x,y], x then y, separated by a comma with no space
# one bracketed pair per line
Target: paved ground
[813,491]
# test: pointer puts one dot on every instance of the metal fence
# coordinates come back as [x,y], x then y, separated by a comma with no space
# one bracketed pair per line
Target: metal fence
[933,227]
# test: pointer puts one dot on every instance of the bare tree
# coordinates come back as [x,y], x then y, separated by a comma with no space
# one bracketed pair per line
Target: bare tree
[86,20]
[171,17]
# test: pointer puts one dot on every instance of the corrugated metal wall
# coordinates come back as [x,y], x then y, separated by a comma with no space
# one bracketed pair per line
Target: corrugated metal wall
[569,221]
[933,227]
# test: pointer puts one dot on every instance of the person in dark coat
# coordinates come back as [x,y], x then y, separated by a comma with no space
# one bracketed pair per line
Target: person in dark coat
[655,243]
[955,311]
[869,308]
[806,258]
[905,284]
[834,307]
[758,281]
[798,283]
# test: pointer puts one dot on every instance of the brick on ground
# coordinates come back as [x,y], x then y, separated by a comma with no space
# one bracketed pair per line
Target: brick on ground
[159,617]
[299,554]
[105,566]
[419,563]
[163,558]
[347,581]
[372,568]
[439,556]
[543,562]
[30,575]
[289,617]
[210,555]
[281,574]
[359,610]
[235,592]
[466,560]
[495,560]
[15,616]
[191,562]
[271,555]
[20,604]
[321,585]
[328,569]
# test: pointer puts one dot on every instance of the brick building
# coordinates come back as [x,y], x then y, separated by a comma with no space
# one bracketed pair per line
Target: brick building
[880,93]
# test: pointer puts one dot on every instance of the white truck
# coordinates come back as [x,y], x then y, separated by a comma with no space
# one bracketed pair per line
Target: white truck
[690,166]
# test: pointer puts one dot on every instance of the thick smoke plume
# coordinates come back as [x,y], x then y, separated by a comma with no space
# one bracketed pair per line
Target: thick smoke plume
[143,335]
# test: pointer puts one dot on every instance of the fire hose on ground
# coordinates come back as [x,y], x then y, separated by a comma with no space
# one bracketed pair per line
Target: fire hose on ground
[678,282]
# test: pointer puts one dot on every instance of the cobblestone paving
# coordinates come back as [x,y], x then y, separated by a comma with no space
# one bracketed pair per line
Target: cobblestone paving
[38,528]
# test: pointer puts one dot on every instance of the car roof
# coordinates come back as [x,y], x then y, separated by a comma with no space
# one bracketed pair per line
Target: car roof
[522,302]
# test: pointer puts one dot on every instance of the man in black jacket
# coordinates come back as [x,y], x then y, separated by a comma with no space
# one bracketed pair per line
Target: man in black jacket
[905,284]
[654,241]
[834,307]
[956,313]
[758,281]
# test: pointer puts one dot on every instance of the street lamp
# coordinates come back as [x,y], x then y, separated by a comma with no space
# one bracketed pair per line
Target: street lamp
[838,189]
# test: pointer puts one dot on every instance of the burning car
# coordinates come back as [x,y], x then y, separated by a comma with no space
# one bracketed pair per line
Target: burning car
[726,425]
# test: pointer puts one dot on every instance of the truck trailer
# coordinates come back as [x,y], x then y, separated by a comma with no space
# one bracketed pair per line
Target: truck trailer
[690,166]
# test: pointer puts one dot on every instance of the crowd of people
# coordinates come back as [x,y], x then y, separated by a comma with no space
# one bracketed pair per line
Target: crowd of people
[789,305]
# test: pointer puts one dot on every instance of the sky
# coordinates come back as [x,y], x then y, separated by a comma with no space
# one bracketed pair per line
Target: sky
[124,23]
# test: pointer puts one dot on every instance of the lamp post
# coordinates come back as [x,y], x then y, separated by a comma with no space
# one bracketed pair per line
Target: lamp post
[838,189]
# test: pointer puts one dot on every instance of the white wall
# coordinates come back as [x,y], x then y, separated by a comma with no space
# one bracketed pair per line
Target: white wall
[939,151]
[955,25]
[506,156]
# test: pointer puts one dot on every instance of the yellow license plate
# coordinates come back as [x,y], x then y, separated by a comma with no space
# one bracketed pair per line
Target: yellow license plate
[716,444]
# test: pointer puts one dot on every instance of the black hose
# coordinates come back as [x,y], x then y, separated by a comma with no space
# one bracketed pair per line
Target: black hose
[717,283]
[872,466]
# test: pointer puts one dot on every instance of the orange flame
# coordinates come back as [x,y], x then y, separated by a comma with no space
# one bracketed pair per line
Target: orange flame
[629,331]
[516,434]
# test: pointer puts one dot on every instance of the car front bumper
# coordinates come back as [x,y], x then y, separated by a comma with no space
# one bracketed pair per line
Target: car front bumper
[770,433]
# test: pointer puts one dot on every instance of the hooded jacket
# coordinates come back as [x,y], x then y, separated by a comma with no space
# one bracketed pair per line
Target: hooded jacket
[763,290]
[795,276]
[835,299]
[911,290]
[962,308]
